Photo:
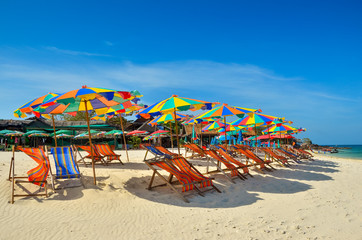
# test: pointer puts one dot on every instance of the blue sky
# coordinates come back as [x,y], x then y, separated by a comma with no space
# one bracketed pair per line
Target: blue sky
[296,59]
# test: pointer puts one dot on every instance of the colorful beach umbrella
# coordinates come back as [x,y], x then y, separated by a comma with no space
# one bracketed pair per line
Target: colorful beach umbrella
[225,110]
[85,99]
[30,108]
[174,104]
[137,132]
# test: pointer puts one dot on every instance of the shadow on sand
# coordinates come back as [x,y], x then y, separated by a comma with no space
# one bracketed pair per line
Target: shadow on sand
[232,195]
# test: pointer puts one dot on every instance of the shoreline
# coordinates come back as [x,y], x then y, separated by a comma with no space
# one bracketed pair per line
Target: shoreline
[310,200]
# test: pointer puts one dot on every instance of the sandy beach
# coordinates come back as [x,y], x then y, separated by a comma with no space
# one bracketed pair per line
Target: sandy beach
[319,199]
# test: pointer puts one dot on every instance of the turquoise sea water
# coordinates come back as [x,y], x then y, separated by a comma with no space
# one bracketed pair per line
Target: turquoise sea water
[355,152]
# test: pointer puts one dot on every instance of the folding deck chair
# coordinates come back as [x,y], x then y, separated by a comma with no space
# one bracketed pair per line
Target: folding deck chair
[96,154]
[37,175]
[288,154]
[65,165]
[166,151]
[157,153]
[229,166]
[195,150]
[283,161]
[106,151]
[187,181]
[234,161]
[257,161]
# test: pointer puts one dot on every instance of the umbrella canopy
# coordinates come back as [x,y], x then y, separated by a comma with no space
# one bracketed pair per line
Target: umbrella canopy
[165,118]
[159,132]
[177,103]
[64,135]
[280,128]
[38,135]
[254,119]
[231,128]
[86,134]
[213,125]
[33,131]
[14,134]
[137,132]
[5,131]
[225,110]
[28,108]
[114,132]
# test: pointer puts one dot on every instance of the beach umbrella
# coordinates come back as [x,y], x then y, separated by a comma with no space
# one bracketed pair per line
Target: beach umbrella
[33,131]
[159,133]
[126,108]
[86,134]
[255,119]
[64,135]
[14,134]
[38,135]
[225,110]
[174,104]
[213,125]
[83,100]
[29,108]
[168,118]
[137,132]
[5,131]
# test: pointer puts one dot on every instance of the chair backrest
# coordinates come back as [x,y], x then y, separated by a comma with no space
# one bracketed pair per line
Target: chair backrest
[104,149]
[39,174]
[88,150]
[183,178]
[64,162]
[157,152]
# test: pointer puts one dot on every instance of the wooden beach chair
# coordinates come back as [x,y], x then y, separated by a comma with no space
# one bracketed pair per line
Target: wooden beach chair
[212,155]
[185,180]
[283,161]
[66,166]
[37,175]
[106,151]
[98,158]
[234,161]
[288,154]
[156,153]
[196,151]
[257,161]
[166,151]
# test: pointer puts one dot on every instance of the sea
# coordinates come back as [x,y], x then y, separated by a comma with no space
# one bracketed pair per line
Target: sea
[354,152]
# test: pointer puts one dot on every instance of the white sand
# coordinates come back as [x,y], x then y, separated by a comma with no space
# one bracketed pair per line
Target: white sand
[313,200]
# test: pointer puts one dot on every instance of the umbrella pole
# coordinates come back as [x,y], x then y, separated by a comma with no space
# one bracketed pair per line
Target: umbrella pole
[178,145]
[55,134]
[124,137]
[200,134]
[256,139]
[226,141]
[90,143]
[171,137]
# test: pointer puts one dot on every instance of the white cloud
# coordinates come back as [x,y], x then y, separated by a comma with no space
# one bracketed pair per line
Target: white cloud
[108,43]
[74,53]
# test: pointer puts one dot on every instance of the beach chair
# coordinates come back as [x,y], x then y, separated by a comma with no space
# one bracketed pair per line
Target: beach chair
[65,165]
[37,175]
[106,151]
[212,155]
[187,182]
[196,151]
[156,153]
[288,154]
[166,151]
[98,158]
[257,161]
[234,161]
[283,161]
[186,167]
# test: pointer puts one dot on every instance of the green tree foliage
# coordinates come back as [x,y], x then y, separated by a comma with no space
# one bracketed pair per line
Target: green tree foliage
[307,141]
[135,141]
[115,121]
